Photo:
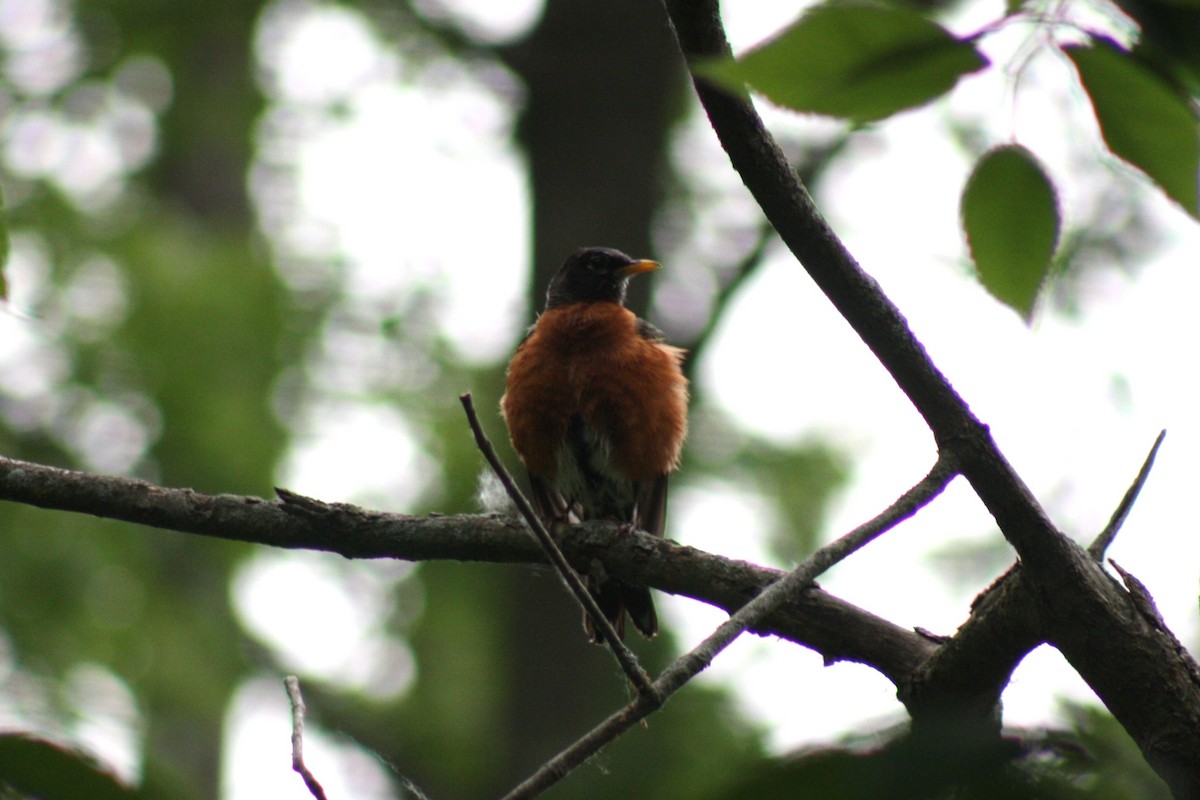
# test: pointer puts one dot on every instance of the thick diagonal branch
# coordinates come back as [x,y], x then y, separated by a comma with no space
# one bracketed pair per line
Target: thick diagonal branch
[1134,667]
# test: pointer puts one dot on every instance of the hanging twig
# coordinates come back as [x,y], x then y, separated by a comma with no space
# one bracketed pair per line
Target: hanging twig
[692,663]
[292,684]
[628,661]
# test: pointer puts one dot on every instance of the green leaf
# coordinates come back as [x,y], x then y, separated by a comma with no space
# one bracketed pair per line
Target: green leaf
[1143,119]
[1010,216]
[854,60]
[38,768]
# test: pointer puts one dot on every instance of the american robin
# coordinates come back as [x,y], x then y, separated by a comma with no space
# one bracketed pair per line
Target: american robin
[596,407]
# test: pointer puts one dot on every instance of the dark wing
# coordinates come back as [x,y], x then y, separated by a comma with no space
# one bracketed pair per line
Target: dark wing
[651,497]
[648,331]
[650,515]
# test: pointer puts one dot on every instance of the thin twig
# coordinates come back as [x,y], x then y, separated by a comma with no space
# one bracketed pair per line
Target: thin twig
[1099,547]
[292,684]
[741,273]
[692,663]
[628,661]
[787,587]
[810,165]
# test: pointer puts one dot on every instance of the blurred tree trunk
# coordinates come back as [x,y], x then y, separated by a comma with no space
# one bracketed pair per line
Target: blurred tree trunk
[605,87]
[198,184]
[208,132]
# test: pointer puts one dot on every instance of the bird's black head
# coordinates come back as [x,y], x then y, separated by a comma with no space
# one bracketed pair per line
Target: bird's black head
[594,274]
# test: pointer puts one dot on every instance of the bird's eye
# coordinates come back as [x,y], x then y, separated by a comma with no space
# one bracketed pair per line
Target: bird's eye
[593,265]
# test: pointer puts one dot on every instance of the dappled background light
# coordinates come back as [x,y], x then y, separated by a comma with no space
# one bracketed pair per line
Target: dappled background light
[340,626]
[318,337]
[259,730]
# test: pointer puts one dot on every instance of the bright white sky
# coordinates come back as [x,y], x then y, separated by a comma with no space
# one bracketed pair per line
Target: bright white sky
[1075,403]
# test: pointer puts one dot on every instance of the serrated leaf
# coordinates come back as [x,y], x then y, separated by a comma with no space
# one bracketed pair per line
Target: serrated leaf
[854,60]
[1143,119]
[1011,219]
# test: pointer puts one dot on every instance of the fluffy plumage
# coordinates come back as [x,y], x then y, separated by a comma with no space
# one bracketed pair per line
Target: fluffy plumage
[596,407]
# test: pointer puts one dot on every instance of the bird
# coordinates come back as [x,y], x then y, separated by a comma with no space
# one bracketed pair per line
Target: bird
[596,406]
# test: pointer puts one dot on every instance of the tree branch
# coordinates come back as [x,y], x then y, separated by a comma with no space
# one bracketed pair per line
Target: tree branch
[1135,668]
[968,673]
[1100,546]
[963,679]
[690,664]
[292,684]
[838,630]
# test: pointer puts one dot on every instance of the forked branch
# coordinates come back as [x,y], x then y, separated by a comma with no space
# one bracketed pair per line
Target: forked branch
[692,663]
[1135,668]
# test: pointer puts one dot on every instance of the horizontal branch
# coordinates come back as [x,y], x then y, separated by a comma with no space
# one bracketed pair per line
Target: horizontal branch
[838,630]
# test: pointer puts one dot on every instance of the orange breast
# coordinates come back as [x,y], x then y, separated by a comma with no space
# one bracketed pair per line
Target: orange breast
[589,359]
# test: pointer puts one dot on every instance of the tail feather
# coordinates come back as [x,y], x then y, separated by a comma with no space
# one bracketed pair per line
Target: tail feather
[618,600]
[640,607]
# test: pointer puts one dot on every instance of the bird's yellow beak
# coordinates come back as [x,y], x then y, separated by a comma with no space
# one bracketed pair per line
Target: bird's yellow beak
[637,268]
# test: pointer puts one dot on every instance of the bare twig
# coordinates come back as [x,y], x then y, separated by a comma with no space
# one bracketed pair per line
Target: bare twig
[805,573]
[745,268]
[628,661]
[811,163]
[292,684]
[692,663]
[1100,546]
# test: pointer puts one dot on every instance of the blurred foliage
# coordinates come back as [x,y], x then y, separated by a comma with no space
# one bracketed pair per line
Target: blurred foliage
[165,324]
[37,768]
[1094,760]
[796,481]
